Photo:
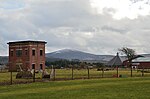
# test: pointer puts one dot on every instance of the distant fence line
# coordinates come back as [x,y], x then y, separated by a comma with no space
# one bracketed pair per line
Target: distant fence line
[72,74]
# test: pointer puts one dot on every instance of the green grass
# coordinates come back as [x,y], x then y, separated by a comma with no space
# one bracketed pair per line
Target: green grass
[106,88]
[82,74]
[5,77]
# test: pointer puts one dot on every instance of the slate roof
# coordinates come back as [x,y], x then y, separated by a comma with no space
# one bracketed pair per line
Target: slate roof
[115,61]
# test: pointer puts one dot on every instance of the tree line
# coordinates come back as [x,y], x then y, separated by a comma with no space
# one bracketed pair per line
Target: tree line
[68,64]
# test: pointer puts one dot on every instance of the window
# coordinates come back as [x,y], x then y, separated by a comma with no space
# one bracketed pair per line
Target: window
[41,52]
[33,66]
[26,52]
[41,66]
[18,53]
[33,52]
[11,53]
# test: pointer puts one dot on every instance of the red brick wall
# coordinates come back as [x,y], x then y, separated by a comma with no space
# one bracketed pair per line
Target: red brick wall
[145,65]
[27,60]
[37,59]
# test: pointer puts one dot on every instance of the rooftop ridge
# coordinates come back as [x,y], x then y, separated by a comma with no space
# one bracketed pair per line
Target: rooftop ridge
[27,41]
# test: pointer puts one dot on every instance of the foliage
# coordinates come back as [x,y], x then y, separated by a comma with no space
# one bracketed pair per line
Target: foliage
[24,74]
[68,64]
[62,63]
[130,53]
[99,65]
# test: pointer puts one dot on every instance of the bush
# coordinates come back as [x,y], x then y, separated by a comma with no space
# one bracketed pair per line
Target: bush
[24,74]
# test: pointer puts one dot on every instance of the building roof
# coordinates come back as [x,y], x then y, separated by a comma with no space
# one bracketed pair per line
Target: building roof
[28,41]
[115,61]
[142,59]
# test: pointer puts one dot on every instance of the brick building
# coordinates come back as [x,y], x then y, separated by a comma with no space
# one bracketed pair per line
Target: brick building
[26,55]
[142,63]
[139,63]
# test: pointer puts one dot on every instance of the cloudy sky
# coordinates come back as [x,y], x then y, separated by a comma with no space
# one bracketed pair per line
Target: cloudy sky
[95,26]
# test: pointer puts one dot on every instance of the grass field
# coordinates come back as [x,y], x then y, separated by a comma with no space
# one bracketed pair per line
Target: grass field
[66,74]
[103,88]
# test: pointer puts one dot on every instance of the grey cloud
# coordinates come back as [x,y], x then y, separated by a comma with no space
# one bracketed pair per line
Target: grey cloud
[73,24]
[114,29]
[55,14]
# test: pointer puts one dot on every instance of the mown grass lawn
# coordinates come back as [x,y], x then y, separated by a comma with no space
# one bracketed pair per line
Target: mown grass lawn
[106,88]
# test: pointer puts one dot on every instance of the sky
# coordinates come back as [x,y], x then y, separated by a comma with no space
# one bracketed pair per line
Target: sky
[95,26]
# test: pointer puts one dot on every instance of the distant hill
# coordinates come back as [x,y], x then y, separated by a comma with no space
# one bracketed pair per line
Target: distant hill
[83,56]
[3,59]
[75,55]
[52,59]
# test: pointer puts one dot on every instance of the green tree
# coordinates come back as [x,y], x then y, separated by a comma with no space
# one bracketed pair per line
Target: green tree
[99,65]
[130,54]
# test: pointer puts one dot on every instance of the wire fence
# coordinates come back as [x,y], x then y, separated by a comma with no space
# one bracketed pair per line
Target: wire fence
[7,78]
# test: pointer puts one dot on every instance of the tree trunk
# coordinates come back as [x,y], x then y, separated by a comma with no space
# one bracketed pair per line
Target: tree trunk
[130,63]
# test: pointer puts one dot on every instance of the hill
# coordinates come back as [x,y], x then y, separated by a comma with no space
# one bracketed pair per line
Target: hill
[3,59]
[70,54]
[75,54]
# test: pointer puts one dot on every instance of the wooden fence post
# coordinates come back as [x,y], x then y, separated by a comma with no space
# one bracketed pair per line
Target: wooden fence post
[102,72]
[143,72]
[34,75]
[54,74]
[117,72]
[88,72]
[10,69]
[11,77]
[72,72]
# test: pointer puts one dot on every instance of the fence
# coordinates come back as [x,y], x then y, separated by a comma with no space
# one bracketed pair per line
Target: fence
[72,74]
